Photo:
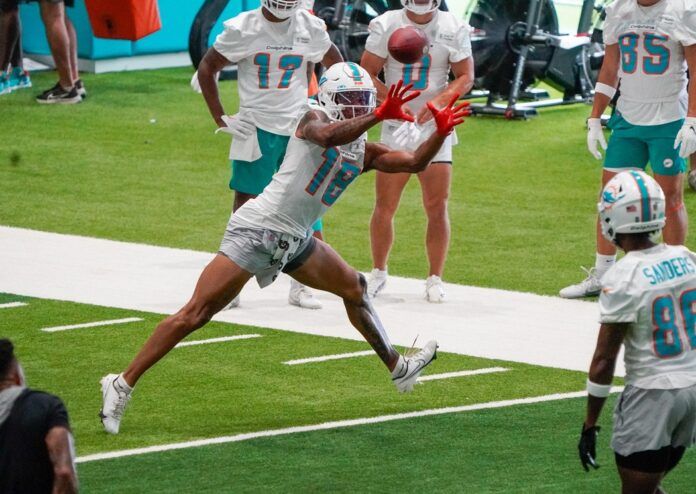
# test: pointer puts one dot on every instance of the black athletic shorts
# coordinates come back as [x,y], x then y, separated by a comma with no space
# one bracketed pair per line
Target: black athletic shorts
[9,5]
[653,461]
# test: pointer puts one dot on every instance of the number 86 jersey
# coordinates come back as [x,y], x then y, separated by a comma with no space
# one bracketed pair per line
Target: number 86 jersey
[654,290]
[652,69]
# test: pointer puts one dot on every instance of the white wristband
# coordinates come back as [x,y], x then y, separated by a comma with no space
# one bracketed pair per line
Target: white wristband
[605,89]
[598,390]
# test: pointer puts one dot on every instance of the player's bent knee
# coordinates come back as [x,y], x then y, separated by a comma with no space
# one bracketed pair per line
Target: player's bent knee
[357,293]
[192,317]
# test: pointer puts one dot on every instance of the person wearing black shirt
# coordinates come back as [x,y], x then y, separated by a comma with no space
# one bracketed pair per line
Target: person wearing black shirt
[36,447]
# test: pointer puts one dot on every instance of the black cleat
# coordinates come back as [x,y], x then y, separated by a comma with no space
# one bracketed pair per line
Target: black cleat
[58,95]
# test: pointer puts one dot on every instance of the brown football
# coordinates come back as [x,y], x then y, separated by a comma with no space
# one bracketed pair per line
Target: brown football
[408,44]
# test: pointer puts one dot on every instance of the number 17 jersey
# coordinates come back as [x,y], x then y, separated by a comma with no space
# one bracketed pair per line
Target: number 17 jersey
[272,61]
[652,68]
[654,291]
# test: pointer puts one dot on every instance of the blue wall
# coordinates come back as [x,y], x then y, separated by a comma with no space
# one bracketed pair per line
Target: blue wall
[177,16]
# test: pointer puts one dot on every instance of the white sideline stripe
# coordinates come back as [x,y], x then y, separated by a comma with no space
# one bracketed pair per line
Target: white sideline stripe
[474,372]
[92,324]
[329,357]
[10,305]
[331,425]
[217,340]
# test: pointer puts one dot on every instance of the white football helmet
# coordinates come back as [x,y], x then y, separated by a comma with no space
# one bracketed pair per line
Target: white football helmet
[282,9]
[632,202]
[346,86]
[421,6]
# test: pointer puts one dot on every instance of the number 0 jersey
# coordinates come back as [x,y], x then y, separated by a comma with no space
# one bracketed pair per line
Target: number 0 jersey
[272,60]
[449,43]
[655,291]
[308,183]
[652,70]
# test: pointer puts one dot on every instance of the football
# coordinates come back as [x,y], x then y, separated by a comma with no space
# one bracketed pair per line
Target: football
[408,44]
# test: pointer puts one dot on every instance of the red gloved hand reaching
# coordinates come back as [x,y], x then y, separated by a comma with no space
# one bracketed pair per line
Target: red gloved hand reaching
[390,109]
[450,116]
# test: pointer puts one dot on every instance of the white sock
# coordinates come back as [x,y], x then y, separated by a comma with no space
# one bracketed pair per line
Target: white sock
[378,273]
[603,264]
[399,367]
[123,384]
[295,285]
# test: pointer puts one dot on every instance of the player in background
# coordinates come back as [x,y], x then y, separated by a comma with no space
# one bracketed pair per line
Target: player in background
[276,48]
[12,73]
[649,44]
[648,304]
[450,49]
[272,233]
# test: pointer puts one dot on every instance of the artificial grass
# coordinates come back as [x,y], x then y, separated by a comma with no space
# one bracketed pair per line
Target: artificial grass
[525,448]
[522,203]
[234,387]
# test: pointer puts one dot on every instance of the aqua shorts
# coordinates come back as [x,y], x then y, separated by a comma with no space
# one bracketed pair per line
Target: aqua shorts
[251,177]
[634,146]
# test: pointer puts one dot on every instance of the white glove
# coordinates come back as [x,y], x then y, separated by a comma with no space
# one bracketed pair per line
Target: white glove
[595,135]
[407,135]
[237,126]
[686,138]
[195,85]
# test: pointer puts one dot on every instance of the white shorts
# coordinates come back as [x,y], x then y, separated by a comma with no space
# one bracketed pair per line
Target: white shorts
[444,155]
[264,253]
[650,419]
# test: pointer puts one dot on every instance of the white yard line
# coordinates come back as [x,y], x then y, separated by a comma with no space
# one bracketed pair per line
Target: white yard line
[217,340]
[473,372]
[92,324]
[331,425]
[324,358]
[10,305]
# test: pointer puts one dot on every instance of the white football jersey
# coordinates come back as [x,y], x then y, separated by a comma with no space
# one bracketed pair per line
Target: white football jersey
[655,291]
[449,43]
[652,71]
[272,60]
[308,183]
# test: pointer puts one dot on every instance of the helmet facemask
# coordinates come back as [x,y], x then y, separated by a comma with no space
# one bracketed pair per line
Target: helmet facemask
[352,103]
[421,6]
[282,9]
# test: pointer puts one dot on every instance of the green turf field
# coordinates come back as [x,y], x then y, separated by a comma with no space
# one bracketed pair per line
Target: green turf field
[138,162]
[522,203]
[238,387]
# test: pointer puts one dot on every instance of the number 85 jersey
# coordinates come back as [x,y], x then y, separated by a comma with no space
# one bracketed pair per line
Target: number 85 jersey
[652,69]
[272,59]
[654,290]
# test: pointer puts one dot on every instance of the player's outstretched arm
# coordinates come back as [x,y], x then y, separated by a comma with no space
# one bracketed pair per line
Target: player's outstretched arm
[317,128]
[599,379]
[380,157]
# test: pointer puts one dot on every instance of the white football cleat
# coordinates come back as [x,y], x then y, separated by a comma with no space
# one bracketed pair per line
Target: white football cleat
[589,287]
[301,296]
[376,282]
[233,304]
[434,290]
[114,400]
[406,372]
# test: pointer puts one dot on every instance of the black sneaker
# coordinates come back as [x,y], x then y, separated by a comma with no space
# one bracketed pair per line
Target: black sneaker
[80,86]
[59,95]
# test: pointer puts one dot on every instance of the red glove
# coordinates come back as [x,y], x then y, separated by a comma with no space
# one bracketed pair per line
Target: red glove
[390,109]
[450,116]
